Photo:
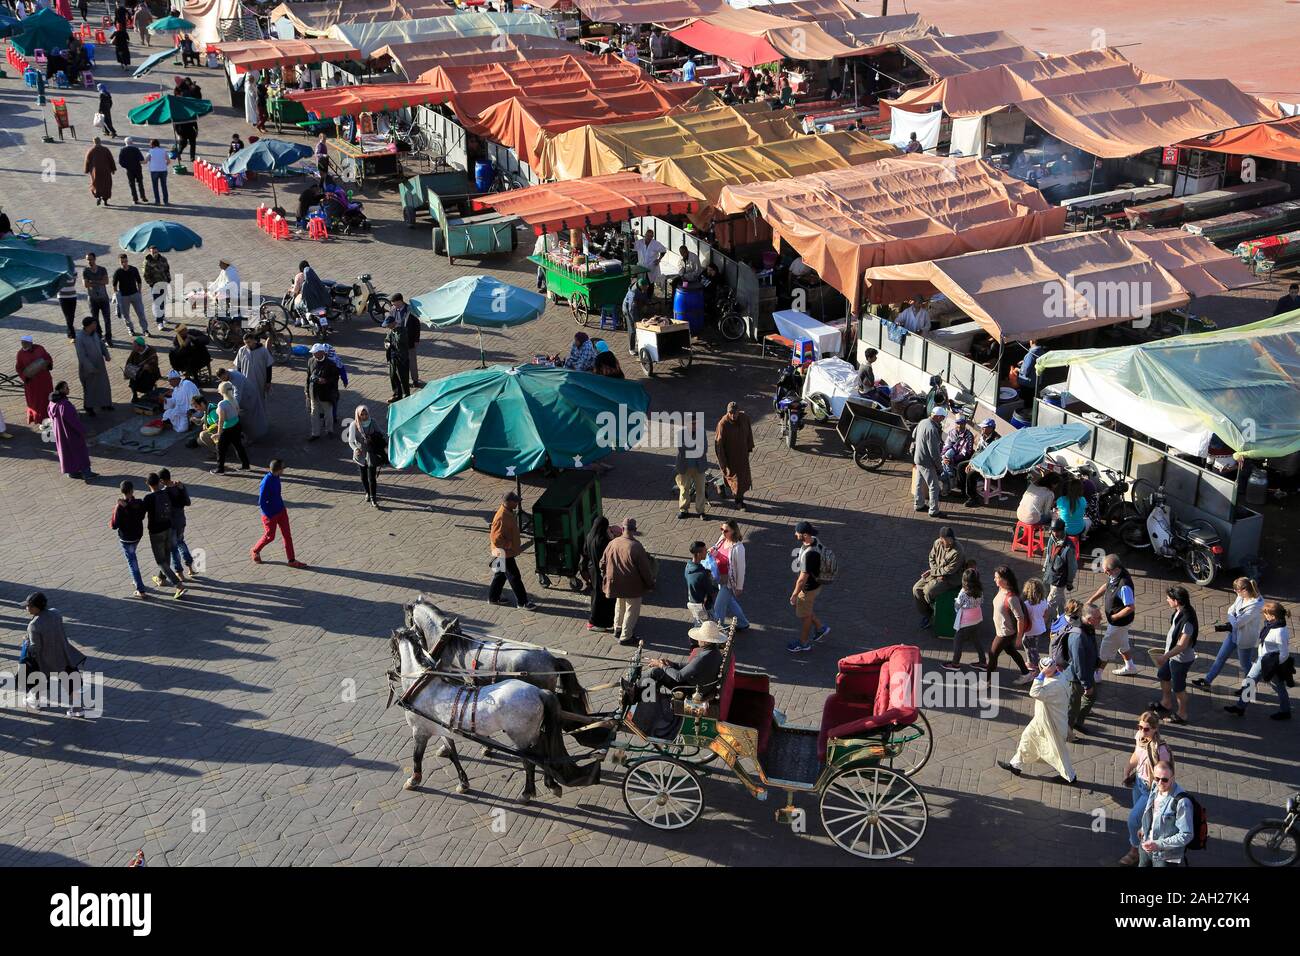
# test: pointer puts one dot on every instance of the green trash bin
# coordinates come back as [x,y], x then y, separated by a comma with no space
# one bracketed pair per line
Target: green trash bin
[562,516]
[945,614]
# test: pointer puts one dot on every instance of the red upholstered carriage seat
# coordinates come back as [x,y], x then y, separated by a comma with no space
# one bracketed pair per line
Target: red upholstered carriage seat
[873,689]
[745,700]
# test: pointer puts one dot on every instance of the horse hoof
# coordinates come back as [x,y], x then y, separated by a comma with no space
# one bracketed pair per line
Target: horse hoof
[488,753]
[462,788]
[411,783]
[527,798]
[556,791]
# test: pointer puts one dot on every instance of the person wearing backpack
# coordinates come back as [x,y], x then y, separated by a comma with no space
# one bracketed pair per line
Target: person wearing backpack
[322,390]
[701,586]
[1169,824]
[813,567]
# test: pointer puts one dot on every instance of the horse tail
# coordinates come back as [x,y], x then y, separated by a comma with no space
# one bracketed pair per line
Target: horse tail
[550,736]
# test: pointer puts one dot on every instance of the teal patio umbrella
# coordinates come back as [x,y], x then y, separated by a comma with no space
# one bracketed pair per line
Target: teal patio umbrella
[9,24]
[152,61]
[1024,449]
[480,301]
[169,109]
[167,236]
[43,30]
[29,275]
[171,25]
[266,156]
[508,421]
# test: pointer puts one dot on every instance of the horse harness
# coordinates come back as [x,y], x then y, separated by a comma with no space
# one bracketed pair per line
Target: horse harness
[465,705]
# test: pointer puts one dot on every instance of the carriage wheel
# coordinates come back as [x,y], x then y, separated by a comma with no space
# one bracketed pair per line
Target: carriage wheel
[647,363]
[914,754]
[869,456]
[581,307]
[697,756]
[873,812]
[684,360]
[663,793]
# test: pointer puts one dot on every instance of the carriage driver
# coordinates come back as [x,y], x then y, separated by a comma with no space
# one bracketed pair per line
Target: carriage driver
[654,711]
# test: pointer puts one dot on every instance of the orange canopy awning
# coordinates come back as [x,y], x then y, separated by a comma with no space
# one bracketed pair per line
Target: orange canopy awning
[420,56]
[261,54]
[598,200]
[896,210]
[351,100]
[1279,140]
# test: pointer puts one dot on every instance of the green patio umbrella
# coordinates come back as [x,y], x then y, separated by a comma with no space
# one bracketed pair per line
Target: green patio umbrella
[169,109]
[508,421]
[171,25]
[29,275]
[167,236]
[43,30]
[480,301]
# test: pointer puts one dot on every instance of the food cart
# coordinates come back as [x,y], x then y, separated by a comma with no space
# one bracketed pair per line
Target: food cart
[374,157]
[660,339]
[589,284]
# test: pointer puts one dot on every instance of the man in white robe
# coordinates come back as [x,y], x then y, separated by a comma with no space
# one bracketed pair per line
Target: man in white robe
[649,251]
[1045,737]
[252,378]
[916,317]
[176,407]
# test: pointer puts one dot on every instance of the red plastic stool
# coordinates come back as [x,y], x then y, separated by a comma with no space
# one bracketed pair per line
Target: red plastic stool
[316,228]
[100,39]
[261,216]
[1028,538]
[223,184]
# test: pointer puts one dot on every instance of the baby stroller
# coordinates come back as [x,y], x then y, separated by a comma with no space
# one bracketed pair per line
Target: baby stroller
[343,214]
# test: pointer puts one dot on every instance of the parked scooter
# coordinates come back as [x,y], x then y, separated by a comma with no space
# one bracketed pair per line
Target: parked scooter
[1276,842]
[789,404]
[1196,546]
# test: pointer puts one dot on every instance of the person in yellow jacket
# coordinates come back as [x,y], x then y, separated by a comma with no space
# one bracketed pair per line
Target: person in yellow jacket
[505,548]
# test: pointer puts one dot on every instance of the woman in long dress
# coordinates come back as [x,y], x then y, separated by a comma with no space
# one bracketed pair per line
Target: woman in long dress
[33,367]
[92,354]
[69,435]
[601,613]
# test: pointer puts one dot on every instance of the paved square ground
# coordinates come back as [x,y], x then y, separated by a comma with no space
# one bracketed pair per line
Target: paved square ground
[246,724]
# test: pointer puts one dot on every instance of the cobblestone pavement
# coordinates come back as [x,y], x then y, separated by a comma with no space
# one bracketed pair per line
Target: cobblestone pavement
[229,735]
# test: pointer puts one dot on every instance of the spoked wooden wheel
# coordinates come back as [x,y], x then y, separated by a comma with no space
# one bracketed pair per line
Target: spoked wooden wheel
[873,812]
[914,753]
[581,307]
[663,793]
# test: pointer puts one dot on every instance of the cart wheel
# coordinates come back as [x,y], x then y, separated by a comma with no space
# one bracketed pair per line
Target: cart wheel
[663,793]
[684,360]
[575,584]
[873,812]
[280,342]
[273,315]
[914,754]
[581,307]
[219,331]
[544,580]
[869,456]
[646,362]
[697,756]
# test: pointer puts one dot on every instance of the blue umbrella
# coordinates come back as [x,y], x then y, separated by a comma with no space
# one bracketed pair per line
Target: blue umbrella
[153,61]
[1025,449]
[167,236]
[266,156]
[480,301]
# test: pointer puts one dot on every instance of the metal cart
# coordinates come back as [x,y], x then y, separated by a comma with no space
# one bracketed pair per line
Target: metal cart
[561,518]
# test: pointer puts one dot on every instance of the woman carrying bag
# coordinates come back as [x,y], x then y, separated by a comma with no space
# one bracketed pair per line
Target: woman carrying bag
[369,451]
[728,558]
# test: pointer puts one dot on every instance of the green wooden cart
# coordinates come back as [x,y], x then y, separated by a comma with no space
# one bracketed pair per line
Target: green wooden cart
[587,294]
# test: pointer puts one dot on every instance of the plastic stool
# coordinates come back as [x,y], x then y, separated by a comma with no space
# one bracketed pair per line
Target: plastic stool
[223,184]
[261,216]
[316,228]
[38,55]
[944,617]
[29,77]
[100,38]
[1028,538]
[608,318]
[61,80]
[803,353]
[87,80]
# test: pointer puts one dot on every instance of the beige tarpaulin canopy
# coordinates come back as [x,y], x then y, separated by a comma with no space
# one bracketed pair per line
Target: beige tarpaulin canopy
[897,210]
[594,150]
[315,19]
[705,175]
[248,55]
[1066,284]
[1095,100]
[942,56]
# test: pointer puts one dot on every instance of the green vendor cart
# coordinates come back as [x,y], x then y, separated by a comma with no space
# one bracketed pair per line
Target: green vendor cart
[562,517]
[587,290]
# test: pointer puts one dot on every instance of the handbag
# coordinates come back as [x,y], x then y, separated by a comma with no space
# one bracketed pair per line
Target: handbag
[711,563]
[98,121]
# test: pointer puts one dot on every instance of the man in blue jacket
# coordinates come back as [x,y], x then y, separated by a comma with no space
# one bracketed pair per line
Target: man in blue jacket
[1167,823]
[1081,645]
[274,514]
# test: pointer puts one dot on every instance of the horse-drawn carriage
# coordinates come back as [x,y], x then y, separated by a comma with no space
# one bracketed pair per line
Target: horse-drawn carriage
[859,761]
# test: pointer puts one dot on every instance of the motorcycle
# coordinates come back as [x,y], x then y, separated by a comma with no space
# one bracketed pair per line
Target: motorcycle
[1196,546]
[1110,508]
[370,300]
[1276,842]
[789,404]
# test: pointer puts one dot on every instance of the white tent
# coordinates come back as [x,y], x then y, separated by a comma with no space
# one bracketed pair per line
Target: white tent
[369,37]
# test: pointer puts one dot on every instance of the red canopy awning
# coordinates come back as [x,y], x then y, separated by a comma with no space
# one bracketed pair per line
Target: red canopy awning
[1279,140]
[596,200]
[351,100]
[260,54]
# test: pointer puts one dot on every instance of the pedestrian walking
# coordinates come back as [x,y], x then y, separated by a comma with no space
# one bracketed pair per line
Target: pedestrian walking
[95,278]
[99,166]
[52,655]
[69,435]
[252,409]
[230,432]
[733,443]
[34,366]
[728,554]
[143,17]
[809,563]
[1010,623]
[255,362]
[1034,598]
[92,370]
[1060,565]
[128,521]
[1245,619]
[158,513]
[927,458]
[1120,607]
[397,353]
[1168,823]
[1178,656]
[600,611]
[158,277]
[1149,750]
[182,559]
[127,286]
[187,134]
[1273,666]
[275,516]
[628,574]
[68,303]
[692,463]
[1078,645]
[505,547]
[131,161]
[368,445]
[322,391]
[969,608]
[1045,738]
[122,47]
[106,110]
[158,166]
[404,318]
[701,586]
